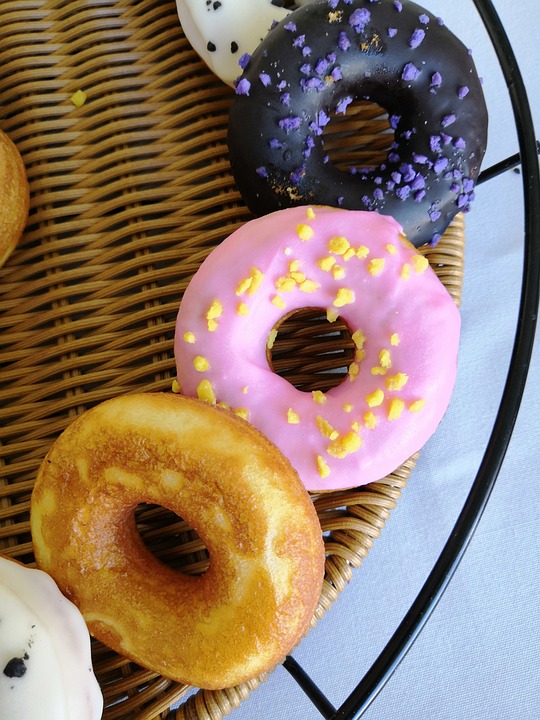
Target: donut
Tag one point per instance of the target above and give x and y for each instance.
(355, 265)
(231, 485)
(14, 197)
(325, 56)
(45, 662)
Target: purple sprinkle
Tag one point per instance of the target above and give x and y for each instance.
(378, 194)
(419, 182)
(312, 84)
(440, 21)
(290, 123)
(265, 79)
(419, 196)
(299, 41)
(435, 143)
(393, 157)
(391, 32)
(285, 99)
(454, 187)
(340, 200)
(457, 174)
(336, 74)
(436, 79)
(398, 5)
(435, 239)
(393, 121)
(410, 72)
(434, 214)
(440, 164)
(416, 38)
(462, 92)
(290, 26)
(377, 180)
(423, 18)
(321, 68)
(243, 87)
(396, 177)
(322, 118)
(331, 57)
(446, 138)
(408, 172)
(243, 60)
(261, 171)
(315, 129)
(333, 4)
(459, 143)
(448, 120)
(275, 144)
(343, 41)
(420, 159)
(462, 200)
(390, 185)
(403, 192)
(359, 19)
(325, 159)
(282, 85)
(306, 51)
(305, 69)
(407, 134)
(297, 175)
(468, 185)
(343, 104)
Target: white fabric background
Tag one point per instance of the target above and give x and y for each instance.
(478, 657)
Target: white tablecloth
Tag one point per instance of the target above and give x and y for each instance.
(478, 656)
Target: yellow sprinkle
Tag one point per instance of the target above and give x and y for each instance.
(376, 266)
(347, 407)
(358, 339)
(242, 412)
(359, 355)
(285, 283)
(394, 339)
(189, 337)
(345, 445)
(309, 286)
(215, 310)
(243, 285)
(271, 339)
(305, 232)
(362, 252)
(299, 277)
(396, 382)
(370, 420)
(325, 428)
(310, 213)
(391, 249)
(353, 371)
(278, 301)
(344, 296)
(375, 398)
(293, 418)
(348, 254)
(221, 404)
(245, 389)
(319, 397)
(385, 360)
(420, 263)
(332, 315)
(256, 280)
(406, 271)
(338, 272)
(356, 426)
(338, 245)
(205, 392)
(294, 266)
(322, 467)
(78, 98)
(417, 405)
(378, 370)
(395, 409)
(242, 309)
(201, 363)
(212, 325)
(326, 263)
(176, 386)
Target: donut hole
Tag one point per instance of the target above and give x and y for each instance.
(309, 351)
(359, 138)
(171, 540)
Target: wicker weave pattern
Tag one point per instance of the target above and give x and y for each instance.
(129, 194)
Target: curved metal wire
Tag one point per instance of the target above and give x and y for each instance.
(414, 621)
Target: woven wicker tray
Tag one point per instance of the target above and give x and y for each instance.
(129, 193)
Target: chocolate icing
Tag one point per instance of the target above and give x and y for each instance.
(324, 56)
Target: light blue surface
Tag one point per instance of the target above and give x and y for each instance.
(478, 656)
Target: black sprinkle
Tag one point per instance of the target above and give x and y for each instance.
(211, 47)
(234, 47)
(16, 667)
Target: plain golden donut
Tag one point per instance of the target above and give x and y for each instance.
(14, 197)
(224, 478)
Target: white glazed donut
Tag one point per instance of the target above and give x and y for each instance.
(222, 31)
(359, 266)
(45, 663)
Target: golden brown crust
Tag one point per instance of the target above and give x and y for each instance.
(230, 484)
(14, 197)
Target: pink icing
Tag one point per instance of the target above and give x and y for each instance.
(408, 316)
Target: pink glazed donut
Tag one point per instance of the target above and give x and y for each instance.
(357, 265)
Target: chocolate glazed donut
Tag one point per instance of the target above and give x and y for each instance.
(330, 53)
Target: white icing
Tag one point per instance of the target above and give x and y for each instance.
(232, 27)
(39, 625)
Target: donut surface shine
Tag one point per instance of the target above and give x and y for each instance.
(231, 485)
(318, 61)
(355, 265)
(45, 662)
